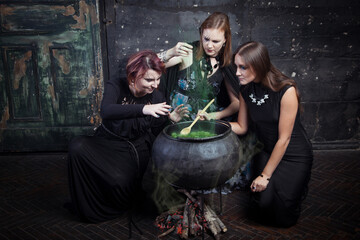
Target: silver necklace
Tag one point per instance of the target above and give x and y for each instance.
(258, 101)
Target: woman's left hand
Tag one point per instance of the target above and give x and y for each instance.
(259, 184)
(179, 113)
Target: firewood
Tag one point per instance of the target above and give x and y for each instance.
(167, 232)
(221, 224)
(185, 221)
(197, 223)
(217, 226)
(213, 222)
(194, 200)
(210, 220)
(192, 223)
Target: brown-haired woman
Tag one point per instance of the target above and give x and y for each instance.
(281, 171)
(194, 79)
(106, 170)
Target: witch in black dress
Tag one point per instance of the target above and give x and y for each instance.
(202, 70)
(106, 170)
(281, 171)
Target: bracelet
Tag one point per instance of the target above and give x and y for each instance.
(162, 56)
(263, 176)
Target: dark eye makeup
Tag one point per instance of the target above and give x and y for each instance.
(242, 67)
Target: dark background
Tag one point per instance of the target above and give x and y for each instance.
(315, 42)
(56, 56)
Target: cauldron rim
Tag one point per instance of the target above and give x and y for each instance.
(181, 139)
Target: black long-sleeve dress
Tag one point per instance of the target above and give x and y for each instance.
(193, 88)
(105, 170)
(279, 204)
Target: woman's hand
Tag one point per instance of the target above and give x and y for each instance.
(156, 109)
(207, 116)
(177, 54)
(182, 49)
(260, 183)
(179, 113)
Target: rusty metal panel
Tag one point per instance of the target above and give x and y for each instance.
(23, 83)
(70, 94)
(51, 79)
(36, 18)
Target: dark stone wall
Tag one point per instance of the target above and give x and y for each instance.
(314, 42)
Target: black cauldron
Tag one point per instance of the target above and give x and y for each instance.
(197, 163)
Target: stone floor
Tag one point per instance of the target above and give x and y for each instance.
(33, 189)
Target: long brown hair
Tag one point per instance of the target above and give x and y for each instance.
(256, 56)
(220, 21)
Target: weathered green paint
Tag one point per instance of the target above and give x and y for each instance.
(51, 73)
(37, 18)
(23, 85)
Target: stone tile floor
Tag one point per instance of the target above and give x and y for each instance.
(33, 189)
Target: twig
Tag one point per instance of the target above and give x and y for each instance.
(167, 232)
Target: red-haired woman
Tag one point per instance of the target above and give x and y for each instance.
(192, 80)
(281, 171)
(106, 170)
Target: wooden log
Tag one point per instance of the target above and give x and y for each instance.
(170, 230)
(197, 223)
(192, 223)
(211, 222)
(192, 198)
(221, 224)
(185, 221)
(214, 223)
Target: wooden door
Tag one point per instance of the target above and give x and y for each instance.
(50, 73)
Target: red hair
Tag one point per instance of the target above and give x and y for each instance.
(139, 63)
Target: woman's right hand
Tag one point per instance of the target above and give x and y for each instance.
(156, 109)
(182, 49)
(176, 55)
(206, 115)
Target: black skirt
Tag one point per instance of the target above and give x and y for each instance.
(280, 203)
(105, 174)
